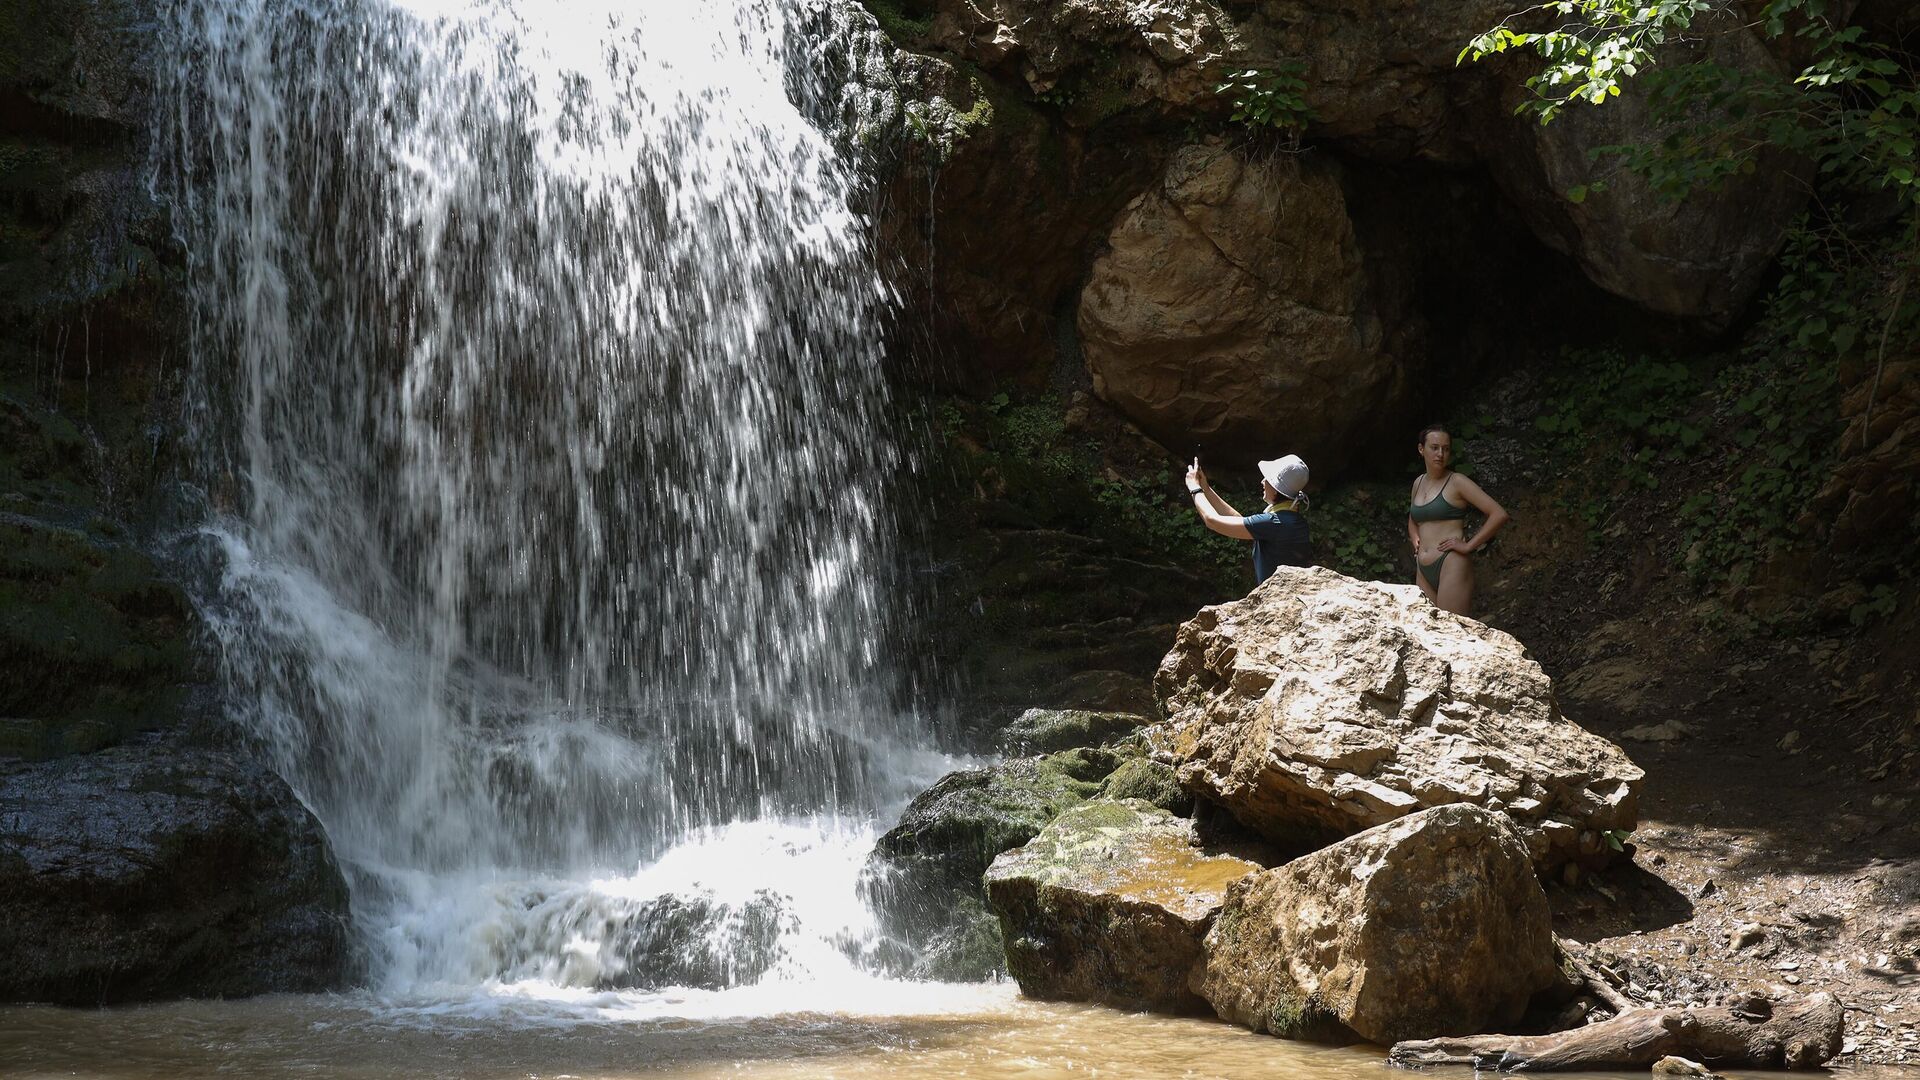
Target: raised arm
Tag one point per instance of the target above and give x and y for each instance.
(1497, 516)
(1210, 505)
(1220, 505)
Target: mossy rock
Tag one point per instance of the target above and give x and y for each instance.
(1043, 731)
(924, 876)
(1151, 782)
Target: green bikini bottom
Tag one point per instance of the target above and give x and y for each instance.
(1431, 571)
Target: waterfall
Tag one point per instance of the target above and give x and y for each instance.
(541, 424)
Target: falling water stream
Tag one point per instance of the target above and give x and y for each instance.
(542, 435)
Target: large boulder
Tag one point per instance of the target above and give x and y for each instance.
(1324, 705)
(1233, 303)
(1109, 904)
(1700, 257)
(147, 871)
(924, 877)
(1431, 925)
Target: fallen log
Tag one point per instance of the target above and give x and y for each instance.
(1754, 1033)
(1596, 983)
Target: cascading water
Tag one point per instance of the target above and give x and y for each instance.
(539, 390)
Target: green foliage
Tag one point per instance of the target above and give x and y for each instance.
(1060, 479)
(1827, 302)
(1594, 46)
(1879, 604)
(898, 25)
(1782, 421)
(1853, 110)
(1638, 410)
(1273, 97)
(943, 125)
(1353, 529)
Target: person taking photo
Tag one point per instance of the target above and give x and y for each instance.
(1280, 534)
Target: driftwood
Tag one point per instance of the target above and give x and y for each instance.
(1596, 983)
(1755, 1033)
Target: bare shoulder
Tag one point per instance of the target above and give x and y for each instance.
(1464, 484)
(1475, 495)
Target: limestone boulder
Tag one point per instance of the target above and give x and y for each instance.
(1109, 904)
(1233, 303)
(1324, 705)
(1433, 924)
(146, 872)
(1703, 257)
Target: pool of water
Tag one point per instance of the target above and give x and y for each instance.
(508, 1034)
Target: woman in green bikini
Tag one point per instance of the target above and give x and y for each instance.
(1437, 525)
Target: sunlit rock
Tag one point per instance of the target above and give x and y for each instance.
(1321, 705)
(1043, 731)
(1109, 904)
(924, 877)
(1432, 925)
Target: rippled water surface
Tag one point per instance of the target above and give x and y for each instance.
(911, 1031)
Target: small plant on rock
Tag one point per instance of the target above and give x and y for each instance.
(1274, 98)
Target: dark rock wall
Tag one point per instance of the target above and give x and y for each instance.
(98, 639)
(139, 859)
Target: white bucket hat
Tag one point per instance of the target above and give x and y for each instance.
(1288, 475)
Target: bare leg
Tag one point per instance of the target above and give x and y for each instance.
(1456, 584)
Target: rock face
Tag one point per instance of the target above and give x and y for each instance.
(990, 209)
(148, 872)
(1434, 924)
(1321, 704)
(1109, 904)
(1380, 75)
(1703, 257)
(1233, 304)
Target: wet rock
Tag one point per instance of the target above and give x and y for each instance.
(990, 206)
(1679, 1066)
(148, 871)
(1044, 731)
(698, 941)
(1431, 924)
(1233, 296)
(927, 867)
(1321, 704)
(94, 640)
(1109, 904)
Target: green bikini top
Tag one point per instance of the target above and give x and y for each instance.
(1438, 508)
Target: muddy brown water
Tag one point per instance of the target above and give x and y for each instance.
(358, 1038)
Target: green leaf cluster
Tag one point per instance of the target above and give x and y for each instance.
(1852, 111)
(1273, 98)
